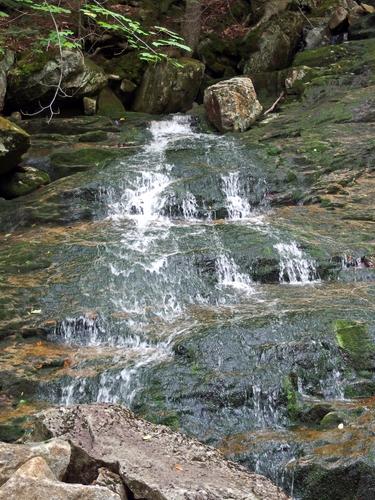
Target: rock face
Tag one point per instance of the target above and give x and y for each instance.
(153, 461)
(232, 105)
(35, 77)
(167, 88)
(14, 142)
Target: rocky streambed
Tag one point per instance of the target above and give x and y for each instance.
(221, 285)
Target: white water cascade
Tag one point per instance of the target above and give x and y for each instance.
(151, 279)
(295, 266)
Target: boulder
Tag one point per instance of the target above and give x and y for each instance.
(271, 46)
(232, 105)
(168, 87)
(23, 181)
(56, 454)
(14, 142)
(89, 106)
(6, 61)
(110, 105)
(35, 480)
(34, 77)
(153, 461)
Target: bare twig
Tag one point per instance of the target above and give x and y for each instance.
(274, 105)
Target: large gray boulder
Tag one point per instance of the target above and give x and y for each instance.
(6, 61)
(167, 88)
(14, 142)
(232, 105)
(35, 77)
(153, 461)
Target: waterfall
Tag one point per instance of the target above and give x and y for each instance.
(295, 266)
(230, 276)
(150, 273)
(237, 205)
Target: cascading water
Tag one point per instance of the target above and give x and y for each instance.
(178, 256)
(295, 267)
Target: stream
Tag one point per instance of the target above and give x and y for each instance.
(190, 299)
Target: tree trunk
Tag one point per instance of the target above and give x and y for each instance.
(192, 23)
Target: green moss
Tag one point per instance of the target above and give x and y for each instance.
(289, 389)
(353, 337)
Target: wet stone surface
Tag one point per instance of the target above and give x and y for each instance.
(178, 277)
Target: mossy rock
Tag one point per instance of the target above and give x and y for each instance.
(23, 182)
(331, 420)
(169, 88)
(94, 136)
(110, 105)
(354, 339)
(127, 66)
(14, 142)
(67, 162)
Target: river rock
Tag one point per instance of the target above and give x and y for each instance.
(56, 454)
(35, 77)
(6, 61)
(153, 461)
(168, 88)
(232, 105)
(35, 480)
(23, 181)
(14, 142)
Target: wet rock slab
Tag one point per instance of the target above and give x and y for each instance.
(153, 461)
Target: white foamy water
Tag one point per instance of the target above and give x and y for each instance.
(237, 205)
(295, 267)
(229, 275)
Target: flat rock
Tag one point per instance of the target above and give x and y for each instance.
(153, 461)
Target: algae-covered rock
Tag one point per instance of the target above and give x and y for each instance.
(169, 87)
(23, 182)
(67, 162)
(110, 105)
(232, 104)
(14, 142)
(35, 76)
(354, 339)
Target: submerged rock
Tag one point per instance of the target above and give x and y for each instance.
(153, 461)
(14, 142)
(168, 88)
(232, 105)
